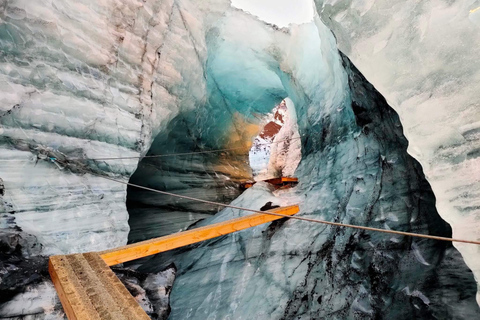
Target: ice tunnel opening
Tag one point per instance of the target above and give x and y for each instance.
(276, 151)
(236, 90)
(213, 176)
(259, 154)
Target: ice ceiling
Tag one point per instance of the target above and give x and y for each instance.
(112, 79)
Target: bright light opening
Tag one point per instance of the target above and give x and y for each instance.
(260, 152)
(278, 12)
(276, 151)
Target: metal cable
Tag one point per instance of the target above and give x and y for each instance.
(177, 154)
(337, 224)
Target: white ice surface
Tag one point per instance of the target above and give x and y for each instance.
(88, 79)
(286, 150)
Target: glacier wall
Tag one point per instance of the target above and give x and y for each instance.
(87, 93)
(286, 149)
(354, 169)
(81, 79)
(420, 56)
(109, 78)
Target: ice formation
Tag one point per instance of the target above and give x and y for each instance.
(420, 56)
(259, 154)
(276, 151)
(108, 78)
(286, 149)
(278, 12)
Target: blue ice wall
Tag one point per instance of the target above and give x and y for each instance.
(242, 84)
(355, 169)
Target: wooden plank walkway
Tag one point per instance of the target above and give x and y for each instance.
(180, 239)
(277, 182)
(282, 181)
(88, 288)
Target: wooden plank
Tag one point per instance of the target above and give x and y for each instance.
(279, 181)
(180, 239)
(74, 299)
(125, 301)
(98, 295)
(275, 181)
(89, 290)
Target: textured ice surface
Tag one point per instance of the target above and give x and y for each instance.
(40, 302)
(107, 78)
(355, 169)
(151, 291)
(75, 93)
(84, 79)
(286, 150)
(276, 151)
(421, 55)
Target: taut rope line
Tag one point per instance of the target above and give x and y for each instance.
(337, 224)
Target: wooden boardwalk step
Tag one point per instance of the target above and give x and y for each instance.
(149, 247)
(282, 182)
(89, 290)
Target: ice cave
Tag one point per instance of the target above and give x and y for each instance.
(125, 122)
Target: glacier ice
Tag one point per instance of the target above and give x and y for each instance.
(127, 78)
(278, 12)
(355, 169)
(286, 149)
(421, 57)
(77, 80)
(276, 151)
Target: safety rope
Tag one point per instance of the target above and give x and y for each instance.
(337, 224)
(179, 154)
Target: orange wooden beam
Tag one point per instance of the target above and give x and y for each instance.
(281, 180)
(89, 290)
(275, 181)
(180, 239)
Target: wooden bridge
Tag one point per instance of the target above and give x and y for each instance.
(88, 288)
(282, 182)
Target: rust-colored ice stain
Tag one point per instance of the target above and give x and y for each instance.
(272, 128)
(234, 163)
(241, 138)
